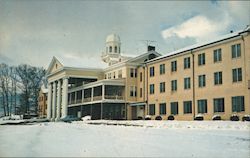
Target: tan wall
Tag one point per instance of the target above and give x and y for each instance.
(42, 104)
(211, 91)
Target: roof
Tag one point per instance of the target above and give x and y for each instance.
(91, 63)
(113, 38)
(202, 44)
(44, 89)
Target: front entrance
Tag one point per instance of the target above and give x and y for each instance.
(138, 112)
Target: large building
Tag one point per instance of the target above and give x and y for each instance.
(206, 80)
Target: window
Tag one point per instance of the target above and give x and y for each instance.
(135, 91)
(202, 80)
(187, 63)
(174, 85)
(187, 83)
(217, 55)
(201, 59)
(218, 78)
(131, 91)
(187, 106)
(115, 49)
(152, 89)
(109, 75)
(237, 75)
(174, 66)
(238, 104)
(114, 75)
(151, 109)
(135, 73)
(140, 76)
(120, 74)
(152, 71)
(174, 108)
(162, 108)
(162, 69)
(219, 105)
(236, 51)
(162, 87)
(110, 49)
(202, 106)
(131, 72)
(105, 77)
(140, 92)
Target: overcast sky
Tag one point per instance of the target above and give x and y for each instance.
(33, 32)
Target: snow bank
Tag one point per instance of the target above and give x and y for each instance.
(203, 125)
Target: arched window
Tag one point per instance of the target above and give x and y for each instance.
(110, 49)
(115, 49)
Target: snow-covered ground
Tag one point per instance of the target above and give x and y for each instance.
(146, 139)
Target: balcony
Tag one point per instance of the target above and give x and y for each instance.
(104, 90)
(114, 97)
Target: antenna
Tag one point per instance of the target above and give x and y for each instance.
(147, 42)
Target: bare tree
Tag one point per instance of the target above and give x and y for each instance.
(4, 85)
(31, 80)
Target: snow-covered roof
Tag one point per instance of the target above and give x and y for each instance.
(44, 89)
(92, 63)
(202, 44)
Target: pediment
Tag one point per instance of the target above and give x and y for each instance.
(54, 66)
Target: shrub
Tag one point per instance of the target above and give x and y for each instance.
(158, 118)
(246, 118)
(199, 118)
(139, 118)
(170, 117)
(234, 118)
(216, 117)
(148, 117)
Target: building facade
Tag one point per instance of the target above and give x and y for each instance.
(42, 102)
(208, 79)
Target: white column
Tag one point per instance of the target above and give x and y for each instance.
(103, 92)
(65, 97)
(49, 101)
(92, 94)
(54, 102)
(58, 110)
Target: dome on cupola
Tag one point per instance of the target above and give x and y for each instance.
(113, 38)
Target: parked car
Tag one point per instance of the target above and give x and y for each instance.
(70, 118)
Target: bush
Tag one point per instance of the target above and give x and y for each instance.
(139, 118)
(216, 117)
(158, 118)
(199, 118)
(246, 118)
(170, 117)
(148, 117)
(234, 118)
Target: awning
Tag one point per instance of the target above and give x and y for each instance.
(137, 104)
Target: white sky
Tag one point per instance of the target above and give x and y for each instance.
(33, 32)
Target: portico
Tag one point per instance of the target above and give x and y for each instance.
(60, 80)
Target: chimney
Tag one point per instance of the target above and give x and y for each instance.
(151, 48)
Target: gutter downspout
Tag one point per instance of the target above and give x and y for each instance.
(193, 84)
(244, 54)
